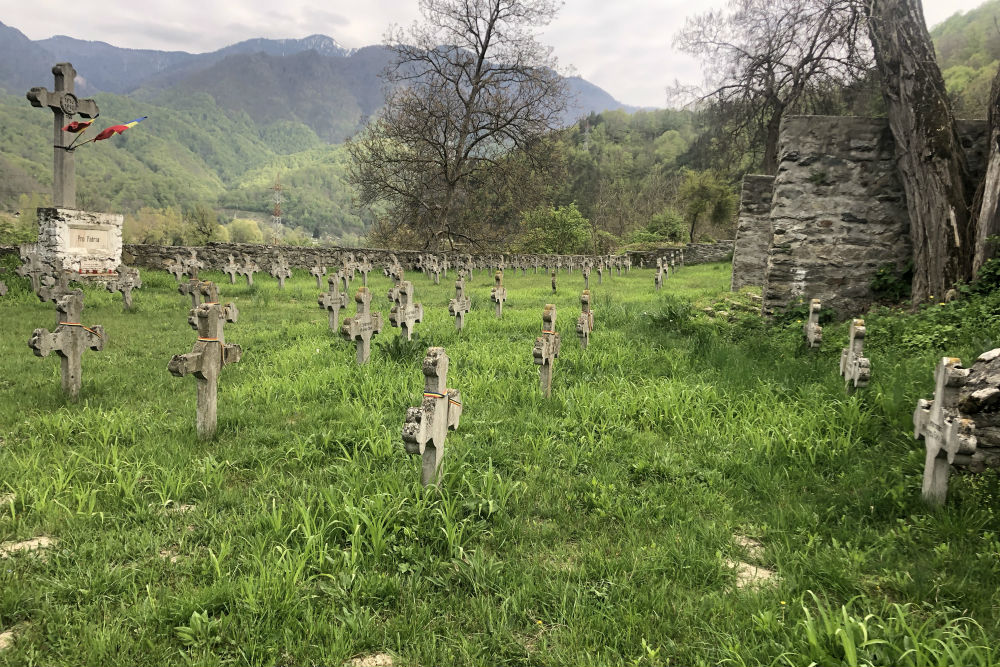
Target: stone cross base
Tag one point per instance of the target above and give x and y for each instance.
(83, 242)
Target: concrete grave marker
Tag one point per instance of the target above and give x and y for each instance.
(318, 271)
(333, 301)
(461, 304)
(586, 276)
(553, 281)
(426, 427)
(191, 288)
(813, 331)
(192, 264)
(34, 268)
(854, 366)
(232, 269)
(3, 288)
(53, 285)
(280, 270)
(406, 313)
(177, 269)
(128, 279)
(364, 267)
(547, 348)
(585, 323)
(499, 293)
(658, 279)
(397, 276)
(69, 340)
(248, 269)
(208, 357)
(945, 432)
(363, 325)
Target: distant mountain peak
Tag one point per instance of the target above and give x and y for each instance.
(321, 44)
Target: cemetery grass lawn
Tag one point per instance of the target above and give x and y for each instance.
(604, 526)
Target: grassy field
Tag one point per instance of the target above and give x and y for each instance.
(608, 525)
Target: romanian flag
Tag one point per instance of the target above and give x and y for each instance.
(117, 129)
(78, 125)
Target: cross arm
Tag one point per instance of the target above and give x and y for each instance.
(42, 342)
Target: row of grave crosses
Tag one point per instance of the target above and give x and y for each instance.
(855, 367)
(50, 281)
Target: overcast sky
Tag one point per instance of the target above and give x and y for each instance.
(624, 46)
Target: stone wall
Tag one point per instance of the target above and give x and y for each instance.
(81, 241)
(694, 253)
(838, 210)
(753, 231)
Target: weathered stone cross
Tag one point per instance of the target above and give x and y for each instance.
(280, 270)
(232, 269)
(363, 325)
(499, 293)
(318, 271)
(585, 323)
(945, 433)
(461, 304)
(208, 357)
(426, 427)
(177, 268)
(128, 279)
(192, 288)
(659, 273)
(586, 276)
(553, 281)
(69, 340)
(33, 268)
(334, 302)
(248, 269)
(854, 366)
(406, 313)
(192, 264)
(64, 105)
(812, 329)
(364, 267)
(53, 285)
(547, 348)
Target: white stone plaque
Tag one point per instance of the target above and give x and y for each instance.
(91, 266)
(82, 238)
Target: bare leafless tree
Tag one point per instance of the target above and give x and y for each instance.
(765, 58)
(472, 98)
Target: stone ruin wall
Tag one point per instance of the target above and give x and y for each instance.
(753, 231)
(837, 214)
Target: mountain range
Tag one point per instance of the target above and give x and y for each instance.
(314, 81)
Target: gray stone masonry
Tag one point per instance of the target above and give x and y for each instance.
(69, 339)
(547, 349)
(855, 368)
(426, 427)
(753, 232)
(209, 356)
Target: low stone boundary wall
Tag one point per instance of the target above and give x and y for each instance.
(694, 253)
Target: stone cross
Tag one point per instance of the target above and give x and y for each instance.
(406, 313)
(397, 276)
(350, 267)
(553, 281)
(33, 269)
(333, 301)
(600, 272)
(192, 265)
(426, 427)
(363, 325)
(3, 288)
(813, 331)
(658, 279)
(69, 339)
(364, 267)
(53, 285)
(461, 304)
(499, 293)
(585, 323)
(177, 268)
(64, 105)
(318, 271)
(128, 279)
(192, 288)
(434, 266)
(248, 269)
(586, 276)
(280, 270)
(232, 269)
(854, 366)
(547, 348)
(945, 432)
(207, 358)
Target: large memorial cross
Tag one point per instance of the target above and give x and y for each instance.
(64, 105)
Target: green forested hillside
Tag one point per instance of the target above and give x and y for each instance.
(968, 50)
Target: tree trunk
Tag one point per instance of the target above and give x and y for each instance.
(930, 158)
(770, 163)
(988, 222)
